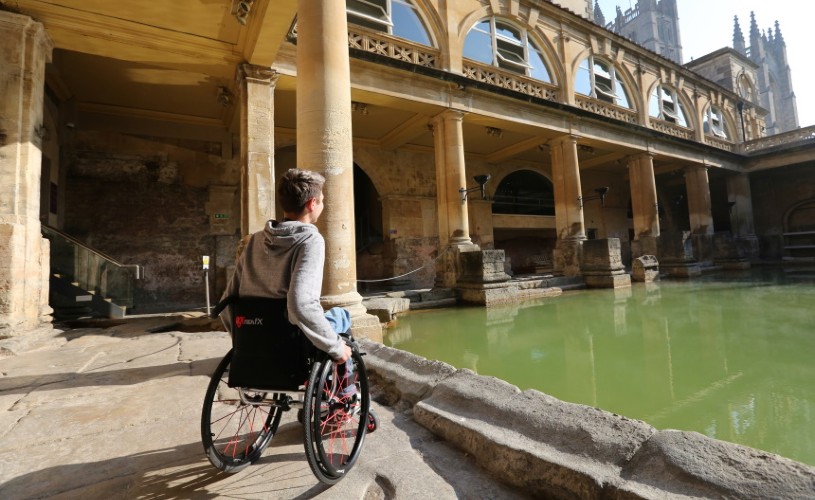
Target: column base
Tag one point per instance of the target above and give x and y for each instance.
(567, 257)
(621, 280)
(364, 325)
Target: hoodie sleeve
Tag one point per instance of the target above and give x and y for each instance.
(304, 297)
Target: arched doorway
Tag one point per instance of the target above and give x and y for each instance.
(523, 221)
(368, 227)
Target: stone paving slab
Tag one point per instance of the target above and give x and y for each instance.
(115, 413)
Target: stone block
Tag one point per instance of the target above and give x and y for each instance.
(621, 280)
(645, 269)
(483, 266)
(602, 255)
(676, 246)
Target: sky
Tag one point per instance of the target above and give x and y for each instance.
(707, 25)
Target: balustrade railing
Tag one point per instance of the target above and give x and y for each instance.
(671, 129)
(605, 109)
(801, 135)
(402, 50)
(719, 143)
(506, 79)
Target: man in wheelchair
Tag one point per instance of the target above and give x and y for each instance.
(285, 261)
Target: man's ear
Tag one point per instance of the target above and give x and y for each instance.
(310, 204)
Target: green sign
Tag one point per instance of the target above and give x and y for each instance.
(221, 216)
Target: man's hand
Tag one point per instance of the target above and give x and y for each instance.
(346, 353)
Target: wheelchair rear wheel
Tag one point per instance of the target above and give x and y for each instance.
(337, 404)
(236, 425)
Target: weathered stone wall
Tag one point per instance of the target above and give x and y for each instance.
(555, 449)
(775, 192)
(148, 202)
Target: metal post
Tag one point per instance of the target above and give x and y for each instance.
(206, 280)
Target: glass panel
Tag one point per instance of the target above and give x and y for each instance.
(653, 104)
(376, 9)
(478, 46)
(582, 81)
(682, 116)
(407, 24)
(507, 32)
(510, 52)
(622, 98)
(538, 68)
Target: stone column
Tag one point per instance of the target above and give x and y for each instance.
(571, 231)
(24, 253)
(741, 215)
(257, 146)
(324, 144)
(644, 205)
(451, 175)
(699, 212)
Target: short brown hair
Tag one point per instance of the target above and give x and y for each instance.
(296, 187)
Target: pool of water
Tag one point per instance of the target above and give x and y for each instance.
(730, 355)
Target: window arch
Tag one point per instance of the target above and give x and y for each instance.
(396, 17)
(666, 105)
(500, 43)
(745, 88)
(599, 79)
(524, 192)
(715, 123)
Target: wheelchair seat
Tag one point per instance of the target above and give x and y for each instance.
(268, 352)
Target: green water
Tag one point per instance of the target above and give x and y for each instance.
(731, 355)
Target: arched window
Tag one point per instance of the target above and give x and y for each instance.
(665, 105)
(745, 88)
(499, 43)
(714, 123)
(524, 192)
(396, 17)
(600, 80)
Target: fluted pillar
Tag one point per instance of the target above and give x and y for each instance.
(24, 253)
(569, 223)
(324, 144)
(644, 205)
(257, 146)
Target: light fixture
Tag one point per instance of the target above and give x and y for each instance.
(494, 132)
(359, 107)
(601, 195)
(241, 10)
(225, 96)
(482, 181)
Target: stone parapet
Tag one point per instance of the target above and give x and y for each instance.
(645, 269)
(555, 449)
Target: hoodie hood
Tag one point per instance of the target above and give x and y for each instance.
(281, 236)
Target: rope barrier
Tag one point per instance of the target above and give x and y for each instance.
(409, 272)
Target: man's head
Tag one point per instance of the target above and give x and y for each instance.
(300, 193)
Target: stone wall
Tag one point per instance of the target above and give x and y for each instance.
(148, 202)
(774, 193)
(554, 449)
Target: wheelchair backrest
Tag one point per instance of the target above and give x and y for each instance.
(268, 352)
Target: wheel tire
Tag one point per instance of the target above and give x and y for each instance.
(335, 423)
(234, 433)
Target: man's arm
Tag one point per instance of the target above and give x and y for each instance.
(304, 299)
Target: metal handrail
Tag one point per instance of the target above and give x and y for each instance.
(91, 269)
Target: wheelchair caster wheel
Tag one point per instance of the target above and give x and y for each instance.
(373, 422)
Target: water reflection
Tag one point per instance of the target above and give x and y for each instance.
(729, 356)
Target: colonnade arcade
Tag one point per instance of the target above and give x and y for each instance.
(421, 119)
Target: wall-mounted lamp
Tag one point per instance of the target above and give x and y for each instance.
(241, 10)
(482, 181)
(601, 195)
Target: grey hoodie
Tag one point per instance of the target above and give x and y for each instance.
(286, 260)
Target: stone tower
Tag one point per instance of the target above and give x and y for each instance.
(654, 24)
(769, 51)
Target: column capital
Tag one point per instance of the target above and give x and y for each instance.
(449, 114)
(645, 155)
(557, 141)
(257, 74)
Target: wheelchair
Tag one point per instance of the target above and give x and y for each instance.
(273, 368)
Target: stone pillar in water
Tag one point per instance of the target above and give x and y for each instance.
(676, 255)
(644, 205)
(741, 215)
(570, 227)
(699, 213)
(603, 264)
